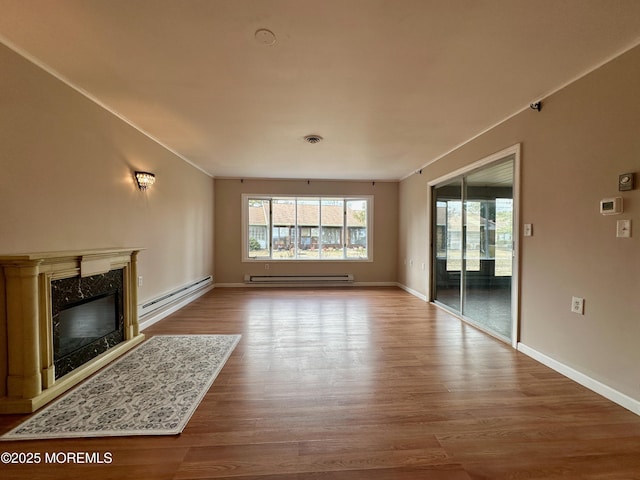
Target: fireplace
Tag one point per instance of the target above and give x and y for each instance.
(63, 316)
(88, 318)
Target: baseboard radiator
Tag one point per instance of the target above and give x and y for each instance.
(173, 296)
(342, 278)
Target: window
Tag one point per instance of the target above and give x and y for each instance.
(306, 228)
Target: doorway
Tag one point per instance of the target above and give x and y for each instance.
(473, 245)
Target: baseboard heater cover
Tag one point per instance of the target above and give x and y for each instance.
(173, 296)
(340, 278)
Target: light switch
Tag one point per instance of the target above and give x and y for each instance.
(623, 228)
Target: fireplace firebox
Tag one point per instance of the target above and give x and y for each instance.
(88, 318)
(81, 324)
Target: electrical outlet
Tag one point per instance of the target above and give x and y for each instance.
(266, 266)
(140, 281)
(577, 305)
(528, 230)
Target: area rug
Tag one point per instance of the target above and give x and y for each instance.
(152, 390)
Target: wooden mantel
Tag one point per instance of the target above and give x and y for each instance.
(27, 373)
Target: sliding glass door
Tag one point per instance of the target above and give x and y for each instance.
(473, 238)
(448, 244)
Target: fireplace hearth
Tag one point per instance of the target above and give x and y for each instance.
(63, 316)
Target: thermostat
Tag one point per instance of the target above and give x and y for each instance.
(625, 182)
(611, 206)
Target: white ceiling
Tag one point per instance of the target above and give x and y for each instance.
(391, 85)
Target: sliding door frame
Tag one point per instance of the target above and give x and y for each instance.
(515, 280)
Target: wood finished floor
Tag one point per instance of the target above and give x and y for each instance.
(362, 384)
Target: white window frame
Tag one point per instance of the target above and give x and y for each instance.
(245, 228)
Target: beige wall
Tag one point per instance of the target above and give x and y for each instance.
(572, 153)
(66, 182)
(228, 238)
(413, 244)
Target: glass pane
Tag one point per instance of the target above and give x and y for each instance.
(454, 235)
(357, 235)
(504, 237)
(448, 244)
(258, 244)
(284, 228)
(332, 226)
(487, 294)
(472, 250)
(308, 215)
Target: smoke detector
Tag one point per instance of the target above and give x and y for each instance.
(265, 37)
(313, 139)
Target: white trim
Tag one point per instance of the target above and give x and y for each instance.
(515, 265)
(515, 276)
(247, 179)
(494, 157)
(8, 43)
(551, 92)
(413, 292)
(460, 145)
(375, 284)
(429, 253)
(178, 298)
(369, 199)
(95, 100)
(605, 390)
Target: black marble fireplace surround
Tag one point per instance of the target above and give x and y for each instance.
(97, 296)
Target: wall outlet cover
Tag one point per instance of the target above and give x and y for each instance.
(577, 305)
(623, 228)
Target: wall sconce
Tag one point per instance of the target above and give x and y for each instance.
(145, 180)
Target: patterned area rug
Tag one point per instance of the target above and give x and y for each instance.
(152, 390)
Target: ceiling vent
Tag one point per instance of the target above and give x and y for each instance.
(313, 139)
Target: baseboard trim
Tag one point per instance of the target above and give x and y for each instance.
(374, 284)
(600, 388)
(155, 316)
(415, 293)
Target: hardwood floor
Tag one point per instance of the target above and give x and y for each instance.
(374, 384)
